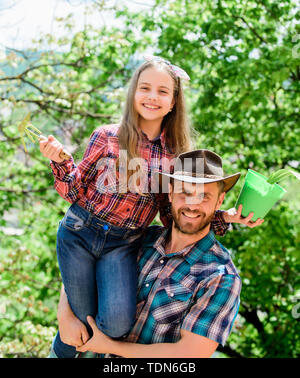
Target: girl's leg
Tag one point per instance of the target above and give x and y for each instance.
(77, 267)
(116, 275)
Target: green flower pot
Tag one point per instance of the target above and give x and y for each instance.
(258, 196)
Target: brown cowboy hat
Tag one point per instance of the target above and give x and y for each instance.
(201, 167)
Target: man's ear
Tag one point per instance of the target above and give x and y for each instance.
(220, 200)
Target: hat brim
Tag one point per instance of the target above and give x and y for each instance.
(229, 181)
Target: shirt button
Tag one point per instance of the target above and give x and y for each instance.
(172, 294)
(147, 285)
(161, 261)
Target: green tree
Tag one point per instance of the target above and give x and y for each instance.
(243, 98)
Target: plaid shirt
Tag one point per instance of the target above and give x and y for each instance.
(129, 210)
(196, 289)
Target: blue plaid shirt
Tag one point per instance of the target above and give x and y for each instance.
(196, 289)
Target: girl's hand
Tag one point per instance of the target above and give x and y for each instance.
(51, 148)
(233, 216)
(99, 343)
(72, 331)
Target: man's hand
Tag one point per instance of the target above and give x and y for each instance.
(99, 343)
(72, 331)
(233, 216)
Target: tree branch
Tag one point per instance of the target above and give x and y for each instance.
(251, 28)
(24, 191)
(43, 104)
(252, 318)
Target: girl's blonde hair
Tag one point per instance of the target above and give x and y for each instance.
(177, 131)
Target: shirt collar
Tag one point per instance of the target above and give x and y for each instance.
(161, 137)
(190, 253)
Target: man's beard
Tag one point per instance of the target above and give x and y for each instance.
(193, 227)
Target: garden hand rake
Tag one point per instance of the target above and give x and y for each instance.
(34, 134)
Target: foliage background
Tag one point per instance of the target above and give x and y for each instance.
(243, 58)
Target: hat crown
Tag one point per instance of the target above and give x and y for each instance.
(200, 167)
(203, 163)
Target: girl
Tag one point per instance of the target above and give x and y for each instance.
(99, 236)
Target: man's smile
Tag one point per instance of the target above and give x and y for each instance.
(188, 215)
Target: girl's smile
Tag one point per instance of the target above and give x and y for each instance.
(151, 107)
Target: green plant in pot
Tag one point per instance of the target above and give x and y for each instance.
(259, 193)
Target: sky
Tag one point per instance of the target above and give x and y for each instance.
(23, 20)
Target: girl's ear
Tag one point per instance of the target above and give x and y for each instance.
(170, 194)
(172, 105)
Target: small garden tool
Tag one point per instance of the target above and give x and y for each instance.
(34, 134)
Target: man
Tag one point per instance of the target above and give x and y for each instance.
(189, 289)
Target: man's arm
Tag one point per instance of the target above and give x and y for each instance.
(190, 345)
(72, 331)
